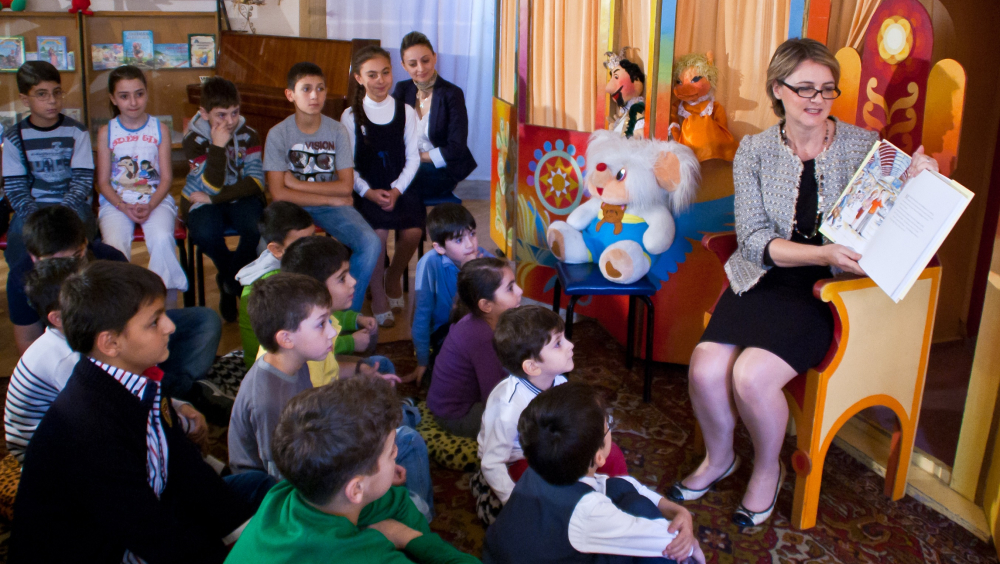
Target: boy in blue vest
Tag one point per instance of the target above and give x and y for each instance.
(566, 436)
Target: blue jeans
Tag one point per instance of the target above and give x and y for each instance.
(412, 455)
(250, 486)
(385, 366)
(346, 225)
(192, 348)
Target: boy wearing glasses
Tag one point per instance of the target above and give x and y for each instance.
(310, 162)
(586, 516)
(47, 159)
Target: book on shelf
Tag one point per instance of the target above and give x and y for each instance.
(894, 222)
(53, 50)
(138, 47)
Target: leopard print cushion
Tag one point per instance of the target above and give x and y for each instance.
(488, 505)
(10, 476)
(448, 450)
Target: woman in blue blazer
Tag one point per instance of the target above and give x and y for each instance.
(443, 129)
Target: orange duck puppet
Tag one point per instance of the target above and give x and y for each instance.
(696, 119)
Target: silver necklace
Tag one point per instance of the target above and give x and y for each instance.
(819, 183)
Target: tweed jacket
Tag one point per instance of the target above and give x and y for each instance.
(766, 176)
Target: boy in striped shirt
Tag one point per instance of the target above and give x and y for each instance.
(47, 157)
(48, 363)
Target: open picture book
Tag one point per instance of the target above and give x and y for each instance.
(896, 223)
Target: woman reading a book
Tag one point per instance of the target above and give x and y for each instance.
(768, 327)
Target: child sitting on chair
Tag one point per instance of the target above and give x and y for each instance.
(566, 436)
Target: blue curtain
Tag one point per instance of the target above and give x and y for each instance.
(462, 32)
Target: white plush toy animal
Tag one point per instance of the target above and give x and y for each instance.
(636, 186)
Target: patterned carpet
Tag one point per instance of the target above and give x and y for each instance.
(856, 523)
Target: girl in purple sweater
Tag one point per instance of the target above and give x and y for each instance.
(467, 368)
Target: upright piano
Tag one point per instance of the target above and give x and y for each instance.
(258, 65)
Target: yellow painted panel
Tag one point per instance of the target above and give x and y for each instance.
(943, 113)
(884, 350)
(979, 406)
(845, 108)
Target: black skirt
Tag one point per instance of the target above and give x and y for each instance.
(780, 315)
(409, 212)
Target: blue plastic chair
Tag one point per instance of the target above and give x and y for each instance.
(578, 280)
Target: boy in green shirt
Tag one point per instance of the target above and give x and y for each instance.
(335, 446)
(281, 224)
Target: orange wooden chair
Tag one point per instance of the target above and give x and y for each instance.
(878, 357)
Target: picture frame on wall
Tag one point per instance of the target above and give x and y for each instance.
(52, 49)
(172, 56)
(138, 47)
(11, 53)
(106, 56)
(201, 48)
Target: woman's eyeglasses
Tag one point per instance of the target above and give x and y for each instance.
(809, 92)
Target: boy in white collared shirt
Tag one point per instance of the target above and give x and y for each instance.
(531, 345)
(565, 433)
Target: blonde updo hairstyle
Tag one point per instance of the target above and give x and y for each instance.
(788, 56)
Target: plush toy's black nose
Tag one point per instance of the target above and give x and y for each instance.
(601, 167)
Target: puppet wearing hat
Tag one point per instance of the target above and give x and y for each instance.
(626, 84)
(696, 119)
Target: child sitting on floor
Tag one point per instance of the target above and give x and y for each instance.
(56, 231)
(290, 314)
(452, 231)
(95, 482)
(566, 436)
(530, 343)
(335, 446)
(467, 369)
(328, 261)
(325, 262)
(281, 224)
(48, 363)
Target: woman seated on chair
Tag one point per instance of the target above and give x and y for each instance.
(445, 159)
(768, 327)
